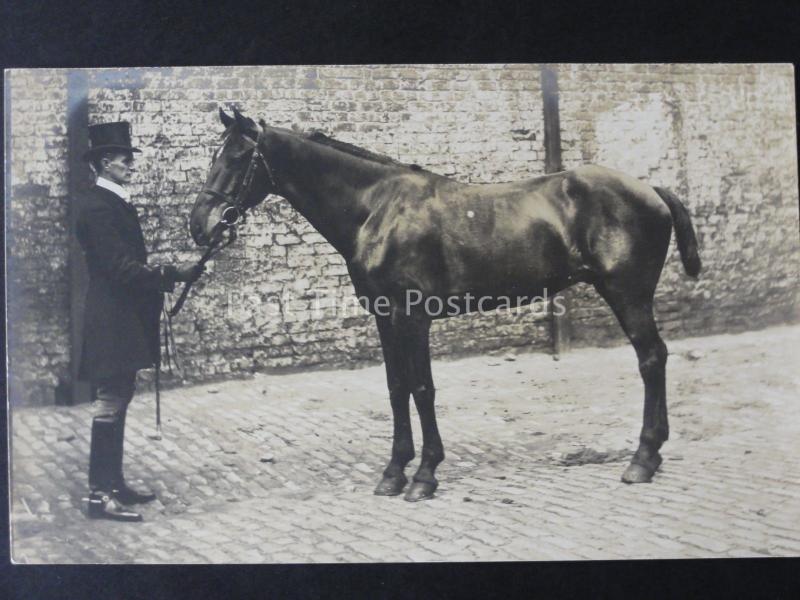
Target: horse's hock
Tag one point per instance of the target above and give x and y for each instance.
(718, 135)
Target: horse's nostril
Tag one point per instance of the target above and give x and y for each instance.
(196, 231)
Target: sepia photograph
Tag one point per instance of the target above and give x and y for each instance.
(402, 313)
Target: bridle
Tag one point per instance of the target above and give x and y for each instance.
(237, 205)
(232, 214)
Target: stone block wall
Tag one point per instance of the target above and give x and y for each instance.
(721, 136)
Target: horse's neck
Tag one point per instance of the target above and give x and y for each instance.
(325, 185)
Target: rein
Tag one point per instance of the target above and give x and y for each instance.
(216, 246)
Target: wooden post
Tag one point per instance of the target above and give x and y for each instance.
(79, 179)
(559, 323)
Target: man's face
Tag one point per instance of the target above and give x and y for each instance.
(118, 168)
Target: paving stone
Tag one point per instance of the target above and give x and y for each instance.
(422, 555)
(706, 543)
(314, 502)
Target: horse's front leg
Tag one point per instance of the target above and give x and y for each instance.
(394, 479)
(415, 334)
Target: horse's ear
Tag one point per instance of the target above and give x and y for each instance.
(240, 119)
(225, 118)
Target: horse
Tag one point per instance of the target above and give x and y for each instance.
(413, 239)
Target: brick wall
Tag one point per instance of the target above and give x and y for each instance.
(235, 320)
(721, 136)
(36, 234)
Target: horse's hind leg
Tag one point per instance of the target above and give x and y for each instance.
(635, 314)
(394, 479)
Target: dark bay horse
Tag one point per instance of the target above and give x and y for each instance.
(416, 239)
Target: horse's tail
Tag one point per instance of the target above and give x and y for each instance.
(684, 232)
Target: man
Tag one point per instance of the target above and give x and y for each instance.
(123, 308)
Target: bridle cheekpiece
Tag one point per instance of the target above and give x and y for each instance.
(237, 204)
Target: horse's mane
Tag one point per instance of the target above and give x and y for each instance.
(320, 138)
(315, 135)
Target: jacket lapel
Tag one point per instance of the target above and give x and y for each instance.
(128, 209)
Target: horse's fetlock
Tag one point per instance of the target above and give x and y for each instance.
(433, 455)
(402, 454)
(394, 471)
(652, 439)
(425, 476)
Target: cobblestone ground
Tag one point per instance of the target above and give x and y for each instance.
(281, 469)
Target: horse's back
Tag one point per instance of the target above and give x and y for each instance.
(443, 235)
(595, 181)
(439, 234)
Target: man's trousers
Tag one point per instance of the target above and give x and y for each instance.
(112, 396)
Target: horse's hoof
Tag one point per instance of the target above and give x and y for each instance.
(391, 486)
(640, 471)
(636, 473)
(420, 490)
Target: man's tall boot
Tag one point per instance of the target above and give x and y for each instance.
(125, 494)
(102, 465)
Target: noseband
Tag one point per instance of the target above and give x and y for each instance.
(237, 206)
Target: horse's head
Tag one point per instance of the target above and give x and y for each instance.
(239, 178)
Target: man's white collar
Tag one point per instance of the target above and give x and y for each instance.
(113, 187)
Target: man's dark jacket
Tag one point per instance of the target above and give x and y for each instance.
(125, 295)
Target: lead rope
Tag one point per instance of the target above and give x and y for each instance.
(174, 352)
(213, 249)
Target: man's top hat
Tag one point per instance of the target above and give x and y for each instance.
(109, 136)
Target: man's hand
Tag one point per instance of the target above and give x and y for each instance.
(189, 271)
